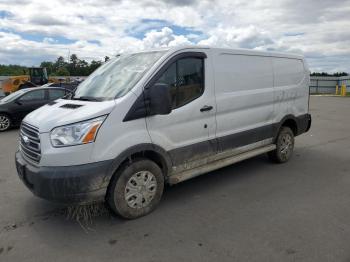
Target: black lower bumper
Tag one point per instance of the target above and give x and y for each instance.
(69, 184)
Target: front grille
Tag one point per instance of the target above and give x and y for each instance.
(30, 142)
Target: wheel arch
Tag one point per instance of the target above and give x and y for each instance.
(289, 121)
(7, 114)
(149, 151)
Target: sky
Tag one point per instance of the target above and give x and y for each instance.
(34, 30)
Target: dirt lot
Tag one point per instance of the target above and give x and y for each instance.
(251, 211)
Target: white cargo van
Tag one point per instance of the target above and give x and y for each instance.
(147, 119)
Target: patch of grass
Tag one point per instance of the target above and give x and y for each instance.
(84, 214)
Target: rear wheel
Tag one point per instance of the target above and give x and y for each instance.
(5, 122)
(136, 189)
(284, 146)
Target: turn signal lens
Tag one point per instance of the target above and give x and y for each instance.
(90, 136)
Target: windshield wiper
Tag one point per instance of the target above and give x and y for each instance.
(88, 98)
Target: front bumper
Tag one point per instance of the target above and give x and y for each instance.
(66, 184)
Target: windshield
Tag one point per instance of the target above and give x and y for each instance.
(12, 96)
(117, 77)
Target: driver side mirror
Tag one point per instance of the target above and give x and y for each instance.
(18, 102)
(159, 99)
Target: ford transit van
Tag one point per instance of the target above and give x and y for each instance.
(146, 119)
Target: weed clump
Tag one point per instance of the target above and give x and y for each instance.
(84, 214)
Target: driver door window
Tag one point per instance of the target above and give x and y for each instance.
(186, 80)
(56, 93)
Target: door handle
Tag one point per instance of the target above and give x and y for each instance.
(206, 108)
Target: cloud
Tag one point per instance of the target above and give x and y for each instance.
(91, 29)
(46, 20)
(163, 38)
(246, 37)
(144, 26)
(312, 11)
(181, 2)
(49, 40)
(15, 2)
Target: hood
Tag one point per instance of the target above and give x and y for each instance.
(63, 112)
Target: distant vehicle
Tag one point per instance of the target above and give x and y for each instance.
(2, 94)
(161, 117)
(37, 77)
(14, 107)
(70, 85)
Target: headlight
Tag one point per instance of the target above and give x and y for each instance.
(76, 134)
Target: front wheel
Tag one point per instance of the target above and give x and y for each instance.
(5, 122)
(284, 146)
(136, 189)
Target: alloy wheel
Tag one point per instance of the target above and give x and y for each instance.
(4, 123)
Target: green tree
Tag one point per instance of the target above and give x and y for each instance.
(82, 68)
(12, 70)
(59, 62)
(328, 74)
(75, 66)
(74, 59)
(49, 67)
(62, 71)
(94, 65)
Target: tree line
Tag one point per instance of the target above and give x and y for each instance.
(74, 67)
(327, 74)
(79, 67)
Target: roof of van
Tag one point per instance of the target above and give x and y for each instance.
(231, 51)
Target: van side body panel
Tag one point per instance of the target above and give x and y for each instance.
(245, 98)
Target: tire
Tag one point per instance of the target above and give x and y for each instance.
(284, 146)
(5, 122)
(136, 189)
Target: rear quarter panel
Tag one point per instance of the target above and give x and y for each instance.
(291, 83)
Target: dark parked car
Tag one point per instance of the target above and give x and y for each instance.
(14, 107)
(70, 86)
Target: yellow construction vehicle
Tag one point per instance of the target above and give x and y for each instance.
(37, 77)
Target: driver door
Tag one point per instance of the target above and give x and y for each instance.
(188, 132)
(29, 102)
